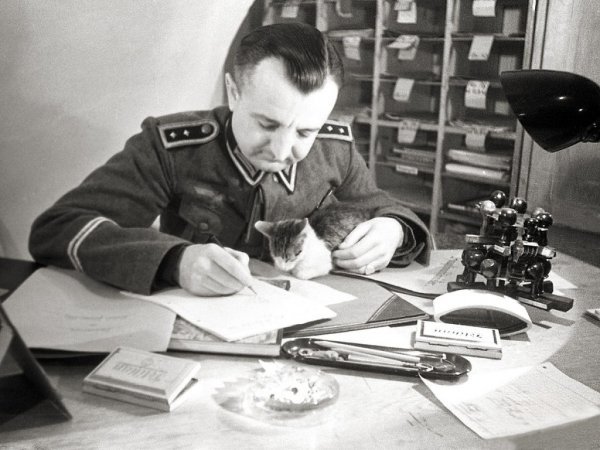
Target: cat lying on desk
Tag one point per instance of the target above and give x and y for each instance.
(303, 247)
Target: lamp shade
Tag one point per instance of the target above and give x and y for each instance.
(557, 109)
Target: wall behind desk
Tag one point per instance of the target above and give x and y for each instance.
(77, 77)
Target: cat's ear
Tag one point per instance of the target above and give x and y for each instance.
(304, 223)
(265, 228)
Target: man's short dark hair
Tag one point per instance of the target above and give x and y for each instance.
(309, 57)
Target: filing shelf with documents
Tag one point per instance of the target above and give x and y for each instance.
(454, 153)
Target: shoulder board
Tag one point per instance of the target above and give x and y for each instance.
(188, 133)
(333, 129)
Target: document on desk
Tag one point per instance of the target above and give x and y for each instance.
(66, 310)
(515, 401)
(243, 314)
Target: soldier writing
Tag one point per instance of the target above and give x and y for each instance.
(270, 154)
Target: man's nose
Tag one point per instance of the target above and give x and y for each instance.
(282, 144)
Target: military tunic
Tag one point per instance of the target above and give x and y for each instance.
(186, 169)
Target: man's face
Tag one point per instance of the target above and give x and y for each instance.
(273, 122)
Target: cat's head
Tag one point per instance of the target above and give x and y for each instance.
(287, 239)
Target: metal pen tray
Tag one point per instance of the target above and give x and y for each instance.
(322, 352)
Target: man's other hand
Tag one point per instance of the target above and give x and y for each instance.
(370, 246)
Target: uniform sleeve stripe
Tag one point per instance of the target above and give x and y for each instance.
(73, 247)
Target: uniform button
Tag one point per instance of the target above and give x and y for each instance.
(275, 179)
(206, 129)
(203, 226)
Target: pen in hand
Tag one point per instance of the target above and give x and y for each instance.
(212, 239)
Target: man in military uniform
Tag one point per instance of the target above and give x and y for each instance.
(210, 175)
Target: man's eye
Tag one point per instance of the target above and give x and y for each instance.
(304, 134)
(268, 126)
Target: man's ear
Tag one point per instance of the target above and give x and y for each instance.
(233, 93)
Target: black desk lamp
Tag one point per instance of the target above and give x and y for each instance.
(511, 252)
(557, 109)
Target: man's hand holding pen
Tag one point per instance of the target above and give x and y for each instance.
(212, 270)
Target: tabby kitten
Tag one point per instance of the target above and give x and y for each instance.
(303, 247)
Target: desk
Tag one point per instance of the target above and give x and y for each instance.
(372, 411)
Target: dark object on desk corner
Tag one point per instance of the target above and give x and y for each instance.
(13, 272)
(511, 252)
(323, 353)
(23, 382)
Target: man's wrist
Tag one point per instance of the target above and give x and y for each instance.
(167, 274)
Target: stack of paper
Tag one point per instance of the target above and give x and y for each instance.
(65, 310)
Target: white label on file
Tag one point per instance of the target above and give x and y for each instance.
(402, 89)
(407, 131)
(484, 8)
(476, 93)
(407, 45)
(407, 11)
(289, 10)
(475, 138)
(411, 170)
(352, 47)
(481, 47)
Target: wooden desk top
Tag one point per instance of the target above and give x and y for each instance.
(374, 411)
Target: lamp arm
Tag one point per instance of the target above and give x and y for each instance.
(592, 134)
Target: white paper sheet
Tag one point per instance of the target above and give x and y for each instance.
(317, 292)
(515, 401)
(66, 310)
(243, 314)
(320, 293)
